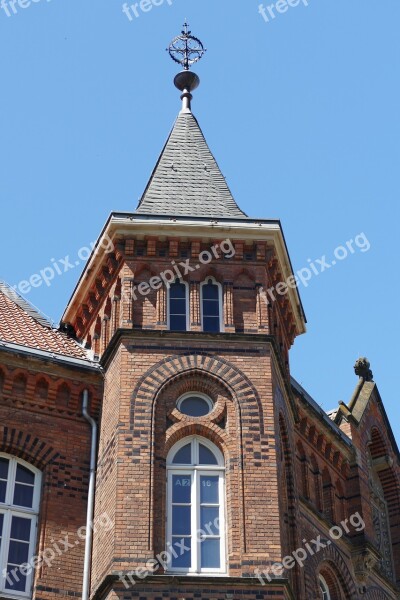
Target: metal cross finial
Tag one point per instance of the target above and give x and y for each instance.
(186, 49)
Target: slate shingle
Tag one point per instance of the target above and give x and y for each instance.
(187, 180)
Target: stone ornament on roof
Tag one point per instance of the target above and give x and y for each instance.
(362, 369)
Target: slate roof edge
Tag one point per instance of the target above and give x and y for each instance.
(49, 355)
(25, 305)
(320, 411)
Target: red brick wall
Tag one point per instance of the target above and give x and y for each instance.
(46, 429)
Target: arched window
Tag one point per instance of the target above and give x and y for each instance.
(19, 507)
(211, 306)
(323, 586)
(178, 302)
(196, 507)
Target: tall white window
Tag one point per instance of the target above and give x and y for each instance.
(323, 586)
(19, 507)
(211, 306)
(196, 507)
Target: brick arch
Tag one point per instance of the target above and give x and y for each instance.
(153, 381)
(390, 484)
(210, 432)
(330, 560)
(376, 594)
(240, 389)
(287, 497)
(30, 448)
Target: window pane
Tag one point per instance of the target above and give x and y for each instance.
(3, 468)
(3, 489)
(21, 529)
(210, 291)
(210, 554)
(182, 547)
(177, 290)
(181, 489)
(23, 495)
(206, 456)
(177, 307)
(194, 407)
(18, 553)
(181, 520)
(25, 475)
(211, 324)
(183, 456)
(177, 323)
(209, 493)
(209, 520)
(15, 580)
(1, 527)
(211, 308)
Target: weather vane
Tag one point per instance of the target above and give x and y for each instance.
(186, 49)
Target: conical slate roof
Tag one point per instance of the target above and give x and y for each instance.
(187, 180)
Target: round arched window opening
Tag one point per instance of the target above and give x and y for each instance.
(194, 404)
(323, 586)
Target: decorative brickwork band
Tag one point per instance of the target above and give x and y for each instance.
(228, 308)
(162, 307)
(26, 446)
(195, 320)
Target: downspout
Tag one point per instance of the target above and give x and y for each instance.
(90, 504)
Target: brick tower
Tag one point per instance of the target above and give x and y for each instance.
(213, 464)
(196, 374)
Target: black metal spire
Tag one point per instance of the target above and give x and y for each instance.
(186, 50)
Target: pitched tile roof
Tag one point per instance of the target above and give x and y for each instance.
(187, 180)
(21, 324)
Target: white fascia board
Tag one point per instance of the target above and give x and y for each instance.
(121, 225)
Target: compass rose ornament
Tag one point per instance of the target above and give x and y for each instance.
(186, 50)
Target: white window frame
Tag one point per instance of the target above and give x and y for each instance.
(221, 302)
(187, 299)
(195, 471)
(326, 595)
(10, 510)
(198, 395)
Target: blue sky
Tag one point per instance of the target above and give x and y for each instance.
(302, 113)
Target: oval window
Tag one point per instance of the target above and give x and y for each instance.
(195, 405)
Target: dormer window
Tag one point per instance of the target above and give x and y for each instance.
(178, 306)
(211, 306)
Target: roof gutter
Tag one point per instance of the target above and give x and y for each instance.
(49, 356)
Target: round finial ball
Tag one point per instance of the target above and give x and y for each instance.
(186, 80)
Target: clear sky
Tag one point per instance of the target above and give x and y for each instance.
(301, 112)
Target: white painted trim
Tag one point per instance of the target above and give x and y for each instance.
(325, 586)
(187, 298)
(221, 302)
(9, 510)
